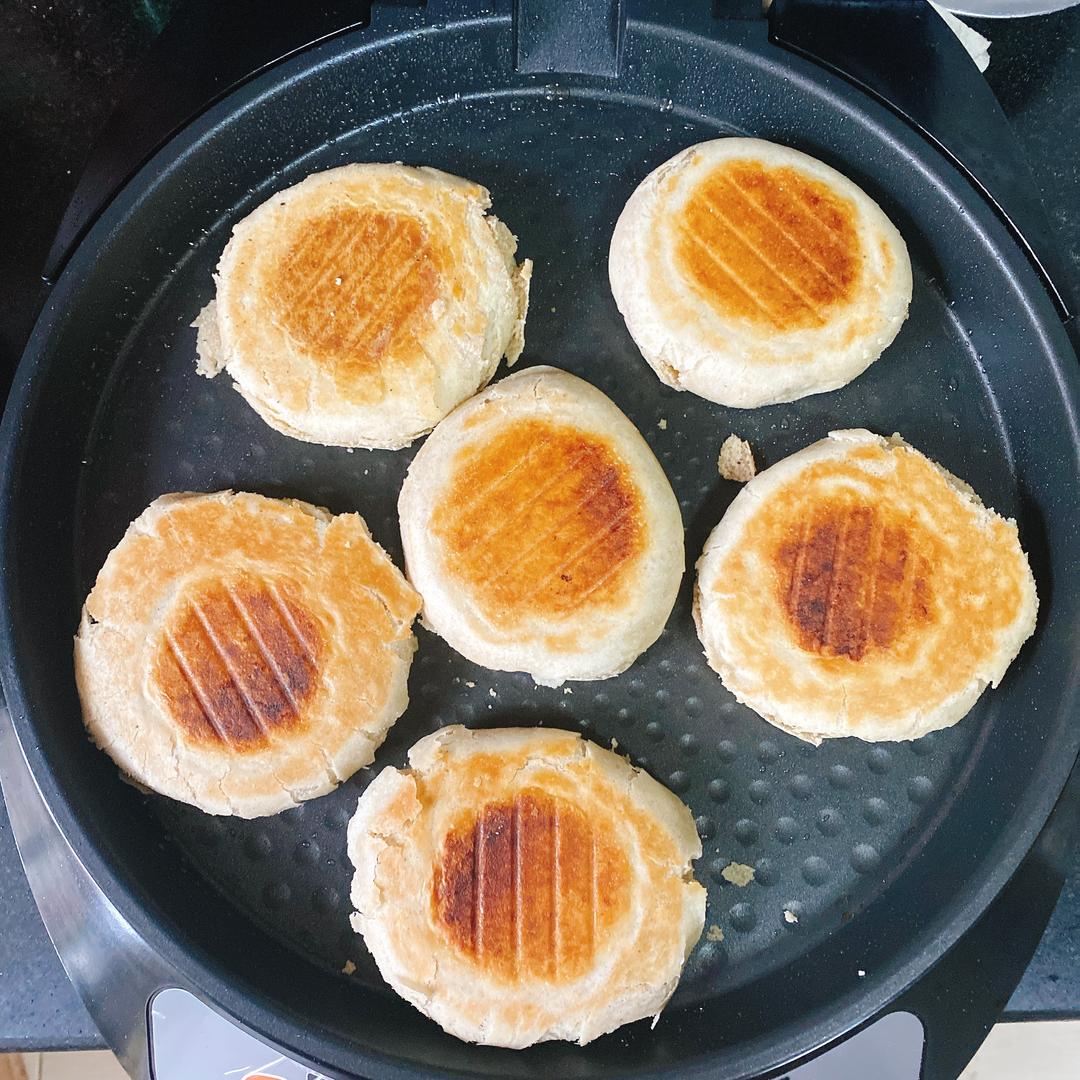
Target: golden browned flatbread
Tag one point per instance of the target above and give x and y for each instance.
(856, 588)
(541, 531)
(241, 653)
(518, 885)
(750, 273)
(358, 307)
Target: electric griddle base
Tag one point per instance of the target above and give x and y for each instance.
(889, 1049)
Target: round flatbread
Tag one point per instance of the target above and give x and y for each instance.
(360, 306)
(856, 588)
(519, 885)
(541, 531)
(243, 654)
(750, 273)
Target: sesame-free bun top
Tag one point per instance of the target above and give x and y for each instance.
(857, 588)
(750, 273)
(241, 653)
(518, 885)
(358, 307)
(541, 531)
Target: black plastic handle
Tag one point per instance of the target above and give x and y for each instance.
(902, 53)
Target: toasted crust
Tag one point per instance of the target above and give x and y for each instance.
(856, 588)
(519, 885)
(541, 531)
(750, 273)
(358, 307)
(243, 654)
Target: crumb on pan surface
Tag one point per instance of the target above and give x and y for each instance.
(738, 874)
(736, 461)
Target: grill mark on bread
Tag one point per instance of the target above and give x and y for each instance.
(305, 634)
(834, 610)
(237, 664)
(567, 526)
(267, 656)
(799, 201)
(518, 921)
(527, 886)
(605, 575)
(556, 890)
(556, 477)
(729, 273)
(787, 235)
(590, 543)
(352, 288)
(877, 535)
(714, 207)
(789, 244)
(852, 581)
(486, 491)
(593, 937)
(388, 305)
(205, 711)
(479, 876)
(359, 243)
(794, 592)
(317, 275)
(234, 678)
(370, 272)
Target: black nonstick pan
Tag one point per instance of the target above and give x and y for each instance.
(885, 854)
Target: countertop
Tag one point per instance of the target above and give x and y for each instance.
(62, 67)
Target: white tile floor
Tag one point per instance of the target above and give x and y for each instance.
(1047, 1051)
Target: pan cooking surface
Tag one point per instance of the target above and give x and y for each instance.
(821, 827)
(865, 846)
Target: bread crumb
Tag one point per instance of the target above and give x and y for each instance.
(337, 281)
(861, 973)
(714, 933)
(663, 423)
(614, 745)
(567, 690)
(349, 968)
(790, 916)
(470, 685)
(738, 874)
(491, 691)
(736, 461)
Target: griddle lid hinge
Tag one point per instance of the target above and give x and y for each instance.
(571, 37)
